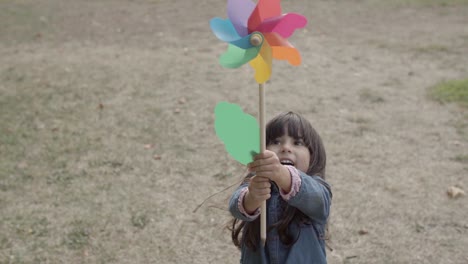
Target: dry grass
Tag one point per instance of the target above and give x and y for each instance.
(107, 141)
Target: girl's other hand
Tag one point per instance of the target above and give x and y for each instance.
(259, 189)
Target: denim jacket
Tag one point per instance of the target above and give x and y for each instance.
(313, 199)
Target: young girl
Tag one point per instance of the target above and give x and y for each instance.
(289, 175)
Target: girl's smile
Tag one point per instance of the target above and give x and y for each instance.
(291, 151)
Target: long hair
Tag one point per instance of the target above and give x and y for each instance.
(299, 128)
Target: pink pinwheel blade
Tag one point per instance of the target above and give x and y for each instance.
(284, 25)
(239, 12)
(265, 9)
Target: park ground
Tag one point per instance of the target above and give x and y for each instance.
(107, 140)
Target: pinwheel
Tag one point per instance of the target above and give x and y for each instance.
(255, 33)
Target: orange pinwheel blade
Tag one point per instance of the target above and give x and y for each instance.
(282, 49)
(284, 53)
(262, 63)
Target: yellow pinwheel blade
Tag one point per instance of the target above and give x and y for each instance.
(262, 63)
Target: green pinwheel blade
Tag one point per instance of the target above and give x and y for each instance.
(239, 132)
(235, 57)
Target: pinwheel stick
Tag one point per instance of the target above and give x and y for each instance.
(262, 149)
(256, 40)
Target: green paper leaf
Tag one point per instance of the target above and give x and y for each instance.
(239, 132)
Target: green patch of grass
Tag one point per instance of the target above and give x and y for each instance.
(367, 95)
(454, 91)
(461, 158)
(78, 237)
(25, 227)
(431, 49)
(21, 233)
(31, 227)
(64, 177)
(5, 243)
(139, 220)
(451, 91)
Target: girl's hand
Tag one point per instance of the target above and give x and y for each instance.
(259, 188)
(259, 191)
(268, 165)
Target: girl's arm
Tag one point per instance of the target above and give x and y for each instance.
(236, 204)
(310, 194)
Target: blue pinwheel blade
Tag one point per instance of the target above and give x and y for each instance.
(243, 43)
(224, 29)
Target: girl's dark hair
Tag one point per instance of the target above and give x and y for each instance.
(299, 128)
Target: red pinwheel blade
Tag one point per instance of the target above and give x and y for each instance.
(265, 9)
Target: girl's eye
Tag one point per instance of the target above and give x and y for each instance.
(299, 142)
(275, 142)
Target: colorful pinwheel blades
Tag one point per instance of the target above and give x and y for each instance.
(246, 19)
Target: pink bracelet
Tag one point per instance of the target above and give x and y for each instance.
(295, 183)
(240, 205)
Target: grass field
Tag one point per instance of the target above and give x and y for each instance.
(107, 142)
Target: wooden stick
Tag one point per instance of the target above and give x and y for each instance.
(262, 149)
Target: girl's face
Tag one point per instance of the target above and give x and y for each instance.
(291, 151)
